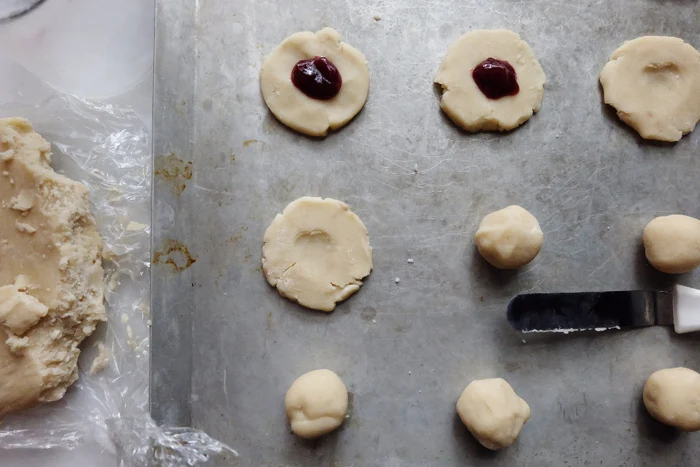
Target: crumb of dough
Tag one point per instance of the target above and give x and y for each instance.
(134, 226)
(24, 227)
(102, 360)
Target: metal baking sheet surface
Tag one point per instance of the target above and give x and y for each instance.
(226, 346)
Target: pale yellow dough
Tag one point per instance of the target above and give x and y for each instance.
(672, 396)
(316, 252)
(462, 100)
(316, 403)
(294, 108)
(672, 243)
(493, 412)
(509, 238)
(51, 279)
(654, 84)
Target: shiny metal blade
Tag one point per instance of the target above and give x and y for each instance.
(570, 312)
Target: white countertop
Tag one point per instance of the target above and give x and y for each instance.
(95, 49)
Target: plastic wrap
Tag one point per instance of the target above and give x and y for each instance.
(108, 149)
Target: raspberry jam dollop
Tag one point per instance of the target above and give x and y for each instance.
(496, 78)
(318, 78)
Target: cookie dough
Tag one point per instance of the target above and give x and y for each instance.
(316, 252)
(316, 403)
(654, 84)
(509, 238)
(672, 243)
(462, 100)
(300, 112)
(672, 396)
(51, 279)
(493, 412)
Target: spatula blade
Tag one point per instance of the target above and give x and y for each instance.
(581, 311)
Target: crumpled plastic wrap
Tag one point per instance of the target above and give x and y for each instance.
(108, 149)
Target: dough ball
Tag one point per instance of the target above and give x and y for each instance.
(654, 83)
(51, 278)
(509, 238)
(294, 108)
(316, 252)
(493, 412)
(316, 403)
(672, 243)
(463, 101)
(672, 396)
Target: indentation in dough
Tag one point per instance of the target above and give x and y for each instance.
(668, 67)
(315, 240)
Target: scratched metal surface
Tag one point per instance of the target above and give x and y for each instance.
(226, 346)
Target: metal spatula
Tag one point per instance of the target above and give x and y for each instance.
(601, 311)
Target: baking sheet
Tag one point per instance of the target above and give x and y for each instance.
(226, 346)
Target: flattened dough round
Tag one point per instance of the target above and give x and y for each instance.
(462, 100)
(654, 83)
(294, 108)
(316, 252)
(316, 403)
(509, 238)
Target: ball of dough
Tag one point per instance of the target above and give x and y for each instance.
(316, 252)
(294, 108)
(493, 412)
(462, 100)
(672, 396)
(672, 243)
(654, 83)
(316, 403)
(509, 238)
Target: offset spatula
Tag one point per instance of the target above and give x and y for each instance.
(601, 311)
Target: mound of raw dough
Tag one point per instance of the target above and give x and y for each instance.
(51, 279)
(300, 112)
(672, 243)
(654, 83)
(316, 252)
(509, 238)
(493, 412)
(672, 396)
(462, 100)
(316, 403)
